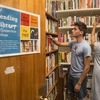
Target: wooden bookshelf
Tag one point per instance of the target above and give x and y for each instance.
(51, 70)
(73, 13)
(53, 34)
(50, 90)
(51, 17)
(78, 12)
(51, 25)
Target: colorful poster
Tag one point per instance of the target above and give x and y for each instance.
(19, 32)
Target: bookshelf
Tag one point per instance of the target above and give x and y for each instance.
(51, 52)
(78, 12)
(63, 83)
(69, 12)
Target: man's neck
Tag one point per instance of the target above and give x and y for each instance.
(80, 38)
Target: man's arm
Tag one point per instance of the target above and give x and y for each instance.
(93, 33)
(84, 73)
(57, 42)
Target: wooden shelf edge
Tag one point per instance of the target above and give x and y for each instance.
(51, 88)
(71, 27)
(73, 10)
(65, 63)
(52, 17)
(89, 88)
(79, 12)
(50, 33)
(89, 75)
(51, 70)
(63, 74)
(55, 96)
(51, 51)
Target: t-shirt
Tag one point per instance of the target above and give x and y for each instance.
(79, 51)
(95, 90)
(97, 57)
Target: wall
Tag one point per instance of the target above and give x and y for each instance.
(29, 73)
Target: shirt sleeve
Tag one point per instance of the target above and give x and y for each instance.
(87, 51)
(70, 43)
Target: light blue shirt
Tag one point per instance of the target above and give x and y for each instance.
(79, 51)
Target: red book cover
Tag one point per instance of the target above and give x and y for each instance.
(24, 19)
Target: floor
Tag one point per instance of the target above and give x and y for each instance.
(88, 96)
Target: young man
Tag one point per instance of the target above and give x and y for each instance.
(95, 91)
(80, 61)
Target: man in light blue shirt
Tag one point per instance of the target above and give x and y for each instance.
(80, 61)
(79, 51)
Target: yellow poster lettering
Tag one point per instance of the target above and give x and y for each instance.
(24, 32)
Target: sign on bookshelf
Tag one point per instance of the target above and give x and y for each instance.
(19, 32)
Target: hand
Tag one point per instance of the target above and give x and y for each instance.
(95, 24)
(77, 87)
(50, 37)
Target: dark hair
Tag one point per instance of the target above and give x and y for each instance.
(98, 36)
(82, 27)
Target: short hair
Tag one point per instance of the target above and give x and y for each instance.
(82, 27)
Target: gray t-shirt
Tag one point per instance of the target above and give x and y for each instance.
(95, 91)
(79, 51)
(97, 57)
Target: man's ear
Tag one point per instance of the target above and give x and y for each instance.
(82, 32)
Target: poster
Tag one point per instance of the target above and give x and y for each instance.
(19, 32)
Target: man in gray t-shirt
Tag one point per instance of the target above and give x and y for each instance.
(80, 61)
(79, 51)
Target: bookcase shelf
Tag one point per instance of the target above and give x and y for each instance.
(51, 17)
(63, 86)
(53, 34)
(55, 96)
(89, 75)
(78, 12)
(63, 74)
(51, 70)
(71, 27)
(65, 63)
(51, 51)
(50, 90)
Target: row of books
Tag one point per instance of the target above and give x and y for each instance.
(50, 45)
(76, 4)
(63, 73)
(64, 57)
(65, 94)
(88, 38)
(69, 21)
(62, 69)
(89, 83)
(29, 45)
(53, 94)
(90, 71)
(64, 37)
(51, 7)
(51, 26)
(50, 81)
(50, 62)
